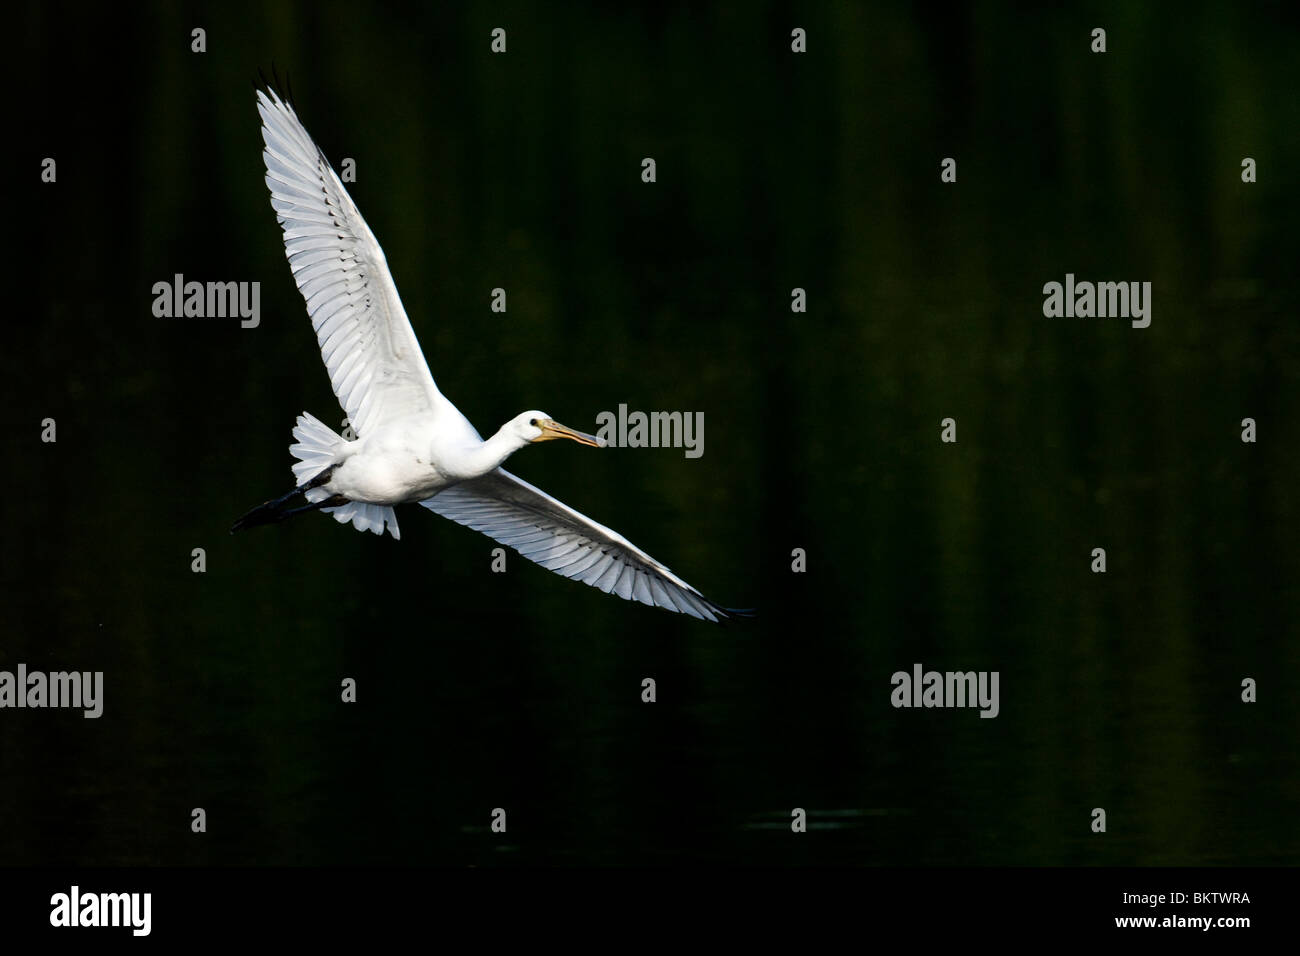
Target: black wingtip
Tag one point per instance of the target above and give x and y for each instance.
(281, 89)
(727, 615)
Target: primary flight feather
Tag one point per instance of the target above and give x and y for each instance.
(412, 444)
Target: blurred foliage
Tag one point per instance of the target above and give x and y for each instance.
(774, 171)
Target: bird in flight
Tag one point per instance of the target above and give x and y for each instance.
(412, 444)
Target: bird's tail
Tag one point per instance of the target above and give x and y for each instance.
(317, 448)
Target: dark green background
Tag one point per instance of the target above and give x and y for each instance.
(775, 170)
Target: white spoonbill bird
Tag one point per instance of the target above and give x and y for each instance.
(412, 444)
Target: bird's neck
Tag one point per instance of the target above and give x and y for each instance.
(488, 455)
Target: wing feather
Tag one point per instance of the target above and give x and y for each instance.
(549, 532)
(370, 351)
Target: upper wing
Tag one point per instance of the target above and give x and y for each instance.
(374, 361)
(560, 539)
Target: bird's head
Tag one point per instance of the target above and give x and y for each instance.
(537, 426)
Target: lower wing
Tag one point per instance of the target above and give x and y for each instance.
(560, 539)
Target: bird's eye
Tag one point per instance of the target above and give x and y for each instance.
(533, 422)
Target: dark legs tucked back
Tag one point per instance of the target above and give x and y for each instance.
(273, 512)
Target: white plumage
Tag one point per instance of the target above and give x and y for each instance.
(412, 444)
(549, 532)
(374, 362)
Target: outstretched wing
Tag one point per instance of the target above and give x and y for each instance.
(560, 539)
(374, 361)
